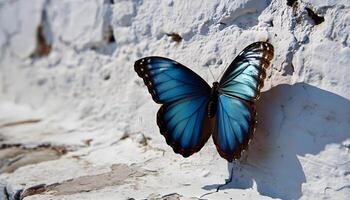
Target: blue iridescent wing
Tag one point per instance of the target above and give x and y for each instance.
(182, 119)
(168, 80)
(245, 75)
(239, 88)
(185, 124)
(234, 127)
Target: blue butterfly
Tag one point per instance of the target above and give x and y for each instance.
(191, 110)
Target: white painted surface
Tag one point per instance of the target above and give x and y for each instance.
(301, 147)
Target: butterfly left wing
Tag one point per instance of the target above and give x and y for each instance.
(185, 124)
(168, 80)
(238, 90)
(182, 119)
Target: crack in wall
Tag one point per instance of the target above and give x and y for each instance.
(16, 123)
(344, 187)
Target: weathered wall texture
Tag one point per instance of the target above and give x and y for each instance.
(75, 117)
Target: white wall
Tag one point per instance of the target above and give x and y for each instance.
(86, 86)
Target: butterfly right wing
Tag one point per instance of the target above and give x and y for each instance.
(182, 119)
(238, 90)
(245, 75)
(234, 127)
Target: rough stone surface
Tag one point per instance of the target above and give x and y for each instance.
(67, 80)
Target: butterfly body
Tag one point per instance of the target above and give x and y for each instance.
(192, 111)
(213, 100)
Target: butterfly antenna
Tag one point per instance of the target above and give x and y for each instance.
(212, 74)
(222, 72)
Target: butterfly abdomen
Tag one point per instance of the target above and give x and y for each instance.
(212, 105)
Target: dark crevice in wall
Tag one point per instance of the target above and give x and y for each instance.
(6, 193)
(108, 45)
(37, 189)
(43, 46)
(291, 2)
(110, 35)
(108, 1)
(295, 6)
(316, 18)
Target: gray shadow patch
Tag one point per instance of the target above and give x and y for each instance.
(293, 120)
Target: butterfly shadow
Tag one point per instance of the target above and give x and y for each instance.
(293, 120)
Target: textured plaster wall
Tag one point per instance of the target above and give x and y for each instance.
(67, 80)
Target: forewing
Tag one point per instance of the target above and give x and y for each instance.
(235, 124)
(168, 80)
(185, 124)
(244, 77)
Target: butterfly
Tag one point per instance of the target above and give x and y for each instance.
(192, 111)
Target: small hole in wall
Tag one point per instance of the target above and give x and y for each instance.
(271, 23)
(107, 77)
(41, 81)
(223, 23)
(110, 36)
(316, 18)
(291, 2)
(175, 37)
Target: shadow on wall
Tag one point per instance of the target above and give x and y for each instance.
(294, 120)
